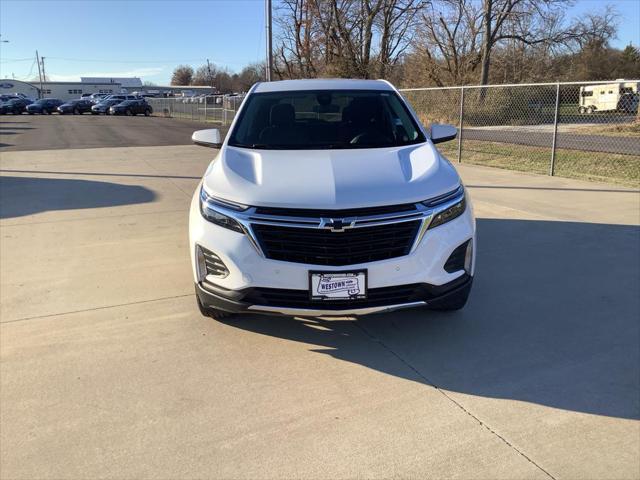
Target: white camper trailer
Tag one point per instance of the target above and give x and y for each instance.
(620, 96)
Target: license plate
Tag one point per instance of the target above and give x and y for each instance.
(338, 286)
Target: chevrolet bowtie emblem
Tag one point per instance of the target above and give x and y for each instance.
(337, 224)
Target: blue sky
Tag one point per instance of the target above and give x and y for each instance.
(149, 38)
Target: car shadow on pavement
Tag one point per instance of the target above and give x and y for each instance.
(20, 196)
(553, 319)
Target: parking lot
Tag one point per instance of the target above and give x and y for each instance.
(47, 132)
(108, 369)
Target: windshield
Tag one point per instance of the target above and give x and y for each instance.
(307, 120)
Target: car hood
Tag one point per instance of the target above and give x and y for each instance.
(331, 179)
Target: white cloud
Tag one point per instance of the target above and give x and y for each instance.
(138, 72)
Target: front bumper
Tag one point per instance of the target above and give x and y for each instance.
(289, 302)
(251, 274)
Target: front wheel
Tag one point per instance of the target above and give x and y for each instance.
(129, 113)
(46, 112)
(76, 111)
(147, 113)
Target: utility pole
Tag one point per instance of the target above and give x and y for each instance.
(39, 72)
(210, 76)
(44, 76)
(269, 69)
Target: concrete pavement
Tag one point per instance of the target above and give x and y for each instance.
(108, 370)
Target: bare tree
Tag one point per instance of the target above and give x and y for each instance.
(458, 36)
(182, 75)
(205, 75)
(346, 38)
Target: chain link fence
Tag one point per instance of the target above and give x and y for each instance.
(219, 109)
(587, 130)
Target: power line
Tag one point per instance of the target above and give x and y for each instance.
(11, 60)
(182, 60)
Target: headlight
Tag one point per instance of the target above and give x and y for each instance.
(210, 210)
(449, 214)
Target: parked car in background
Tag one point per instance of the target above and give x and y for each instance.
(15, 106)
(97, 97)
(355, 210)
(76, 107)
(121, 97)
(44, 106)
(102, 107)
(131, 107)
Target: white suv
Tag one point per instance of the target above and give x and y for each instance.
(329, 198)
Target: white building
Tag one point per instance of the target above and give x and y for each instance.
(88, 85)
(129, 83)
(68, 90)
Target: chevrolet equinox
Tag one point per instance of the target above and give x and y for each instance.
(328, 197)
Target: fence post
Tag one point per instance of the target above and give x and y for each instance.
(552, 167)
(461, 124)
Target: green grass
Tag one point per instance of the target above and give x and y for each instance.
(595, 166)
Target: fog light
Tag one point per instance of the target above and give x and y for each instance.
(209, 264)
(468, 257)
(201, 264)
(458, 259)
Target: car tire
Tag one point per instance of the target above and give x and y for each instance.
(45, 112)
(76, 112)
(581, 110)
(590, 110)
(452, 302)
(129, 113)
(147, 113)
(212, 312)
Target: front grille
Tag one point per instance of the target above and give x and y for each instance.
(317, 246)
(376, 297)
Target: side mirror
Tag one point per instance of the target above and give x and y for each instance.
(443, 133)
(207, 138)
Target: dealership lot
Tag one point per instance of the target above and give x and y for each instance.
(108, 369)
(46, 132)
